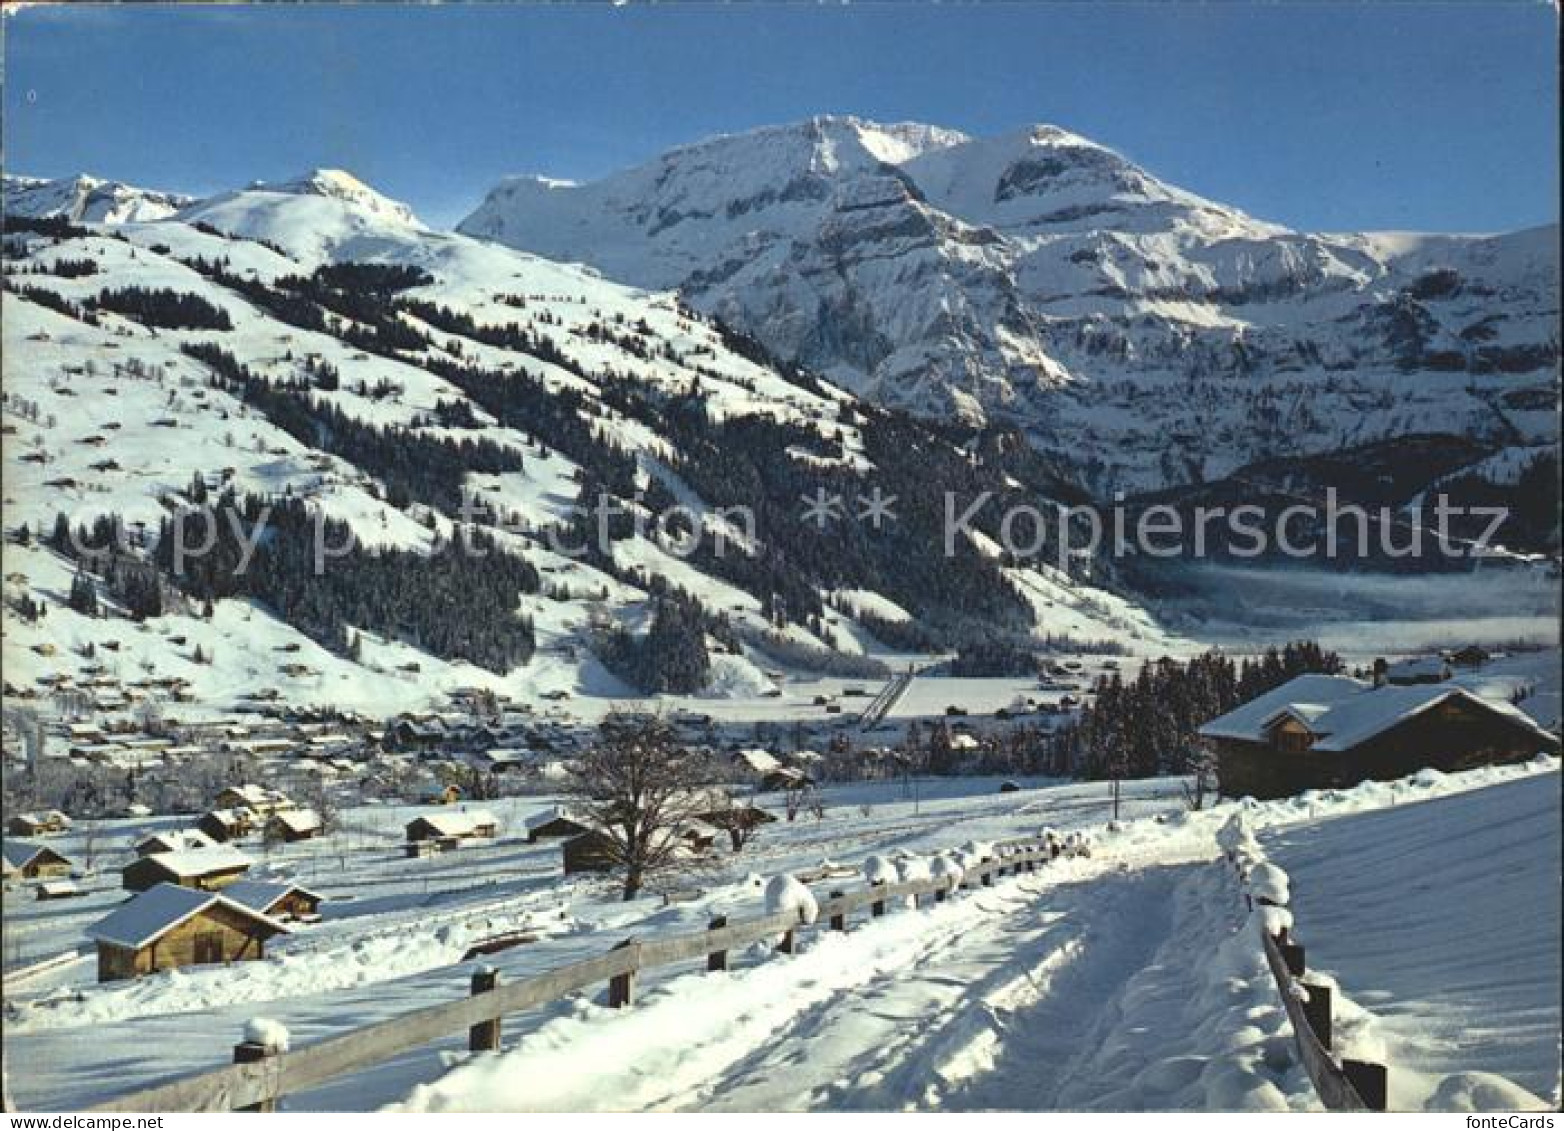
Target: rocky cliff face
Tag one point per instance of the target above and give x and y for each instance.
(1142, 334)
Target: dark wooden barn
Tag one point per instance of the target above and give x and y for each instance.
(592, 851)
(1332, 732)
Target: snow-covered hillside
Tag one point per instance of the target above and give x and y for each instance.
(1441, 924)
(1129, 980)
(1143, 335)
(529, 383)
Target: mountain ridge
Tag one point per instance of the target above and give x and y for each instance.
(1042, 280)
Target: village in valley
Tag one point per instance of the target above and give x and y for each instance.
(377, 856)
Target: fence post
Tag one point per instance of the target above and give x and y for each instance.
(839, 920)
(1370, 1081)
(252, 1052)
(717, 959)
(621, 987)
(877, 908)
(485, 1035)
(1317, 1011)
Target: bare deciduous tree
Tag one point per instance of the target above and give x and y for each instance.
(639, 787)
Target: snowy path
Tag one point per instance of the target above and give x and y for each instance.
(986, 1019)
(1029, 996)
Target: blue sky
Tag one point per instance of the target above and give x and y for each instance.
(1327, 116)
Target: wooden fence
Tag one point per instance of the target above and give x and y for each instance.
(259, 1076)
(1343, 1084)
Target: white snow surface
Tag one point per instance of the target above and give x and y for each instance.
(1130, 979)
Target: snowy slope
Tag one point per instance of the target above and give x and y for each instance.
(1442, 921)
(1132, 980)
(113, 418)
(1041, 278)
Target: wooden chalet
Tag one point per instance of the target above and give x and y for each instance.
(1332, 732)
(204, 869)
(291, 825)
(223, 825)
(555, 823)
(256, 798)
(168, 926)
(33, 862)
(46, 823)
(281, 901)
(441, 831)
(1412, 671)
(592, 851)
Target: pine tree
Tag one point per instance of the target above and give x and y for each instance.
(84, 595)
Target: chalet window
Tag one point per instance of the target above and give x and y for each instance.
(208, 947)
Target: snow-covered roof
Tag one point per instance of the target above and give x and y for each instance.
(1358, 720)
(18, 854)
(250, 794)
(298, 820)
(1418, 667)
(458, 824)
(201, 861)
(175, 840)
(1343, 713)
(159, 910)
(262, 895)
(1248, 722)
(555, 813)
(758, 761)
(232, 816)
(52, 817)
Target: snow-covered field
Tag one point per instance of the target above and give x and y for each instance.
(1127, 980)
(1442, 922)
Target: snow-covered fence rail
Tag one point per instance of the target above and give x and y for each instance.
(1342, 1083)
(261, 1075)
(16, 975)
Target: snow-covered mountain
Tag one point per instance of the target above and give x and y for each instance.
(310, 343)
(1141, 334)
(87, 199)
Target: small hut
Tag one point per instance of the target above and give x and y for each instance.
(168, 926)
(34, 862)
(592, 851)
(38, 824)
(291, 825)
(223, 825)
(254, 797)
(555, 823)
(449, 830)
(59, 889)
(204, 869)
(281, 901)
